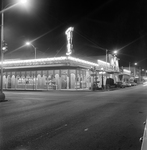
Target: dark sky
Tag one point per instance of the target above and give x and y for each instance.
(99, 25)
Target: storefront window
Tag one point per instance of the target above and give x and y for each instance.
(51, 80)
(21, 80)
(30, 81)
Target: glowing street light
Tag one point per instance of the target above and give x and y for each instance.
(115, 52)
(2, 50)
(23, 1)
(135, 64)
(28, 44)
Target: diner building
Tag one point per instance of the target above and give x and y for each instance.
(58, 73)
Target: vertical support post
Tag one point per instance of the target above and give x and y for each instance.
(102, 81)
(35, 52)
(76, 79)
(2, 39)
(106, 59)
(35, 77)
(1, 52)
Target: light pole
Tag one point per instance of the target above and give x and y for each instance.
(1, 52)
(28, 43)
(106, 59)
(136, 75)
(102, 72)
(2, 96)
(135, 69)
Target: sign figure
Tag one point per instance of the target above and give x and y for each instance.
(69, 34)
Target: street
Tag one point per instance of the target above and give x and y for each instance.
(73, 120)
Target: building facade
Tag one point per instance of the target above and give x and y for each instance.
(55, 73)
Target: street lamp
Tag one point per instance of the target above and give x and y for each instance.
(106, 59)
(28, 43)
(2, 96)
(102, 72)
(115, 52)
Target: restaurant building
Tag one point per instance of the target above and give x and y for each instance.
(64, 72)
(58, 73)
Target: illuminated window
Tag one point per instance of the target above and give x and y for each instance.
(21, 80)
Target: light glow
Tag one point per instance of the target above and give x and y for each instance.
(125, 70)
(53, 59)
(28, 43)
(115, 52)
(83, 61)
(106, 63)
(102, 72)
(23, 1)
(135, 64)
(34, 60)
(4, 48)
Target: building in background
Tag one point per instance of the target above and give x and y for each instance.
(135, 73)
(124, 75)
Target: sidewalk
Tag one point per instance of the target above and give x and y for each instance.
(70, 90)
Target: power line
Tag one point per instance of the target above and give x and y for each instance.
(90, 41)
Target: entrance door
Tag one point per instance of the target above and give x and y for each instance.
(72, 81)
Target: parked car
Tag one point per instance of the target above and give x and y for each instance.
(128, 84)
(133, 83)
(121, 84)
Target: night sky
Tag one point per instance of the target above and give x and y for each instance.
(98, 25)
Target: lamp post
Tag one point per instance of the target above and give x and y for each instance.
(135, 64)
(28, 43)
(1, 52)
(106, 59)
(2, 96)
(102, 72)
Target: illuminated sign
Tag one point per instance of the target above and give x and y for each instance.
(69, 34)
(126, 71)
(113, 62)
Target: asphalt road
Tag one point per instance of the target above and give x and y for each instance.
(70, 120)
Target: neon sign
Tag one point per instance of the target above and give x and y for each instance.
(69, 34)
